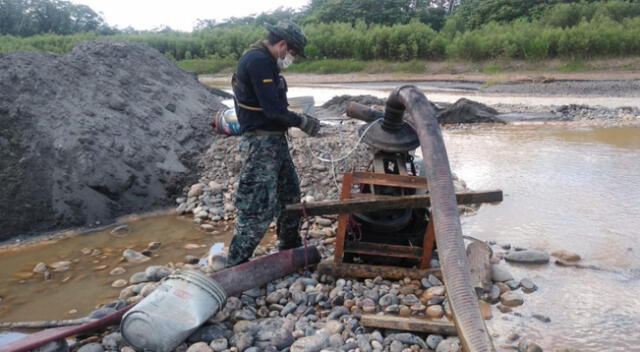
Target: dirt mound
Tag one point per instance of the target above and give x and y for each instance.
(467, 111)
(108, 129)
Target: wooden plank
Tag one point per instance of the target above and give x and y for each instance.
(365, 271)
(385, 250)
(479, 255)
(427, 245)
(371, 178)
(342, 219)
(426, 325)
(368, 204)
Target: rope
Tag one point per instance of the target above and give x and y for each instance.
(333, 160)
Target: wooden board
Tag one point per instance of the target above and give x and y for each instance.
(479, 255)
(365, 271)
(426, 325)
(376, 203)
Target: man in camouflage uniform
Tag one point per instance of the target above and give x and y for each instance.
(268, 180)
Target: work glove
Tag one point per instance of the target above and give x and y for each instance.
(309, 125)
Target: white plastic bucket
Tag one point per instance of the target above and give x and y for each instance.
(172, 312)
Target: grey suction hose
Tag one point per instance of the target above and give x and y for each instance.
(451, 251)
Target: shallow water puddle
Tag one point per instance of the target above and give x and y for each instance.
(27, 296)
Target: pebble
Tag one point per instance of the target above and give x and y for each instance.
(388, 300)
(528, 257)
(119, 283)
(242, 341)
(60, 266)
(195, 190)
(500, 274)
(433, 341)
(435, 311)
(451, 344)
(527, 285)
(513, 284)
(410, 300)
(40, 268)
(566, 256)
(153, 245)
(207, 227)
(288, 309)
(117, 271)
(526, 345)
(503, 309)
(112, 341)
(363, 343)
(134, 257)
(396, 346)
(138, 278)
(219, 345)
(511, 299)
(404, 311)
(199, 347)
(542, 318)
(312, 343)
(91, 347)
(157, 272)
(406, 338)
(435, 281)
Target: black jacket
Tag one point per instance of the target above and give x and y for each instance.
(258, 84)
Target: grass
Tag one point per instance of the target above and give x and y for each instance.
(493, 69)
(574, 66)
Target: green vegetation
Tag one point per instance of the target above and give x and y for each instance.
(396, 35)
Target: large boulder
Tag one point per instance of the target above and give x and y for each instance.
(108, 129)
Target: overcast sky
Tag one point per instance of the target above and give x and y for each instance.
(179, 14)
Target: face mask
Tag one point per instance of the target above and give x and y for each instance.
(287, 61)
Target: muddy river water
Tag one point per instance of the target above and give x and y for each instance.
(566, 187)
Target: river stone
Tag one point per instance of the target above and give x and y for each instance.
(566, 256)
(112, 341)
(288, 309)
(513, 284)
(433, 341)
(526, 345)
(60, 266)
(528, 257)
(244, 314)
(392, 309)
(191, 259)
(511, 299)
(119, 283)
(153, 245)
(311, 343)
(195, 190)
(396, 346)
(337, 312)
(242, 341)
(435, 311)
(542, 318)
(200, 347)
(157, 272)
(138, 278)
(363, 343)
(410, 300)
(377, 346)
(388, 300)
(40, 268)
(451, 344)
(132, 256)
(275, 296)
(500, 274)
(91, 347)
(527, 285)
(434, 280)
(278, 338)
(148, 288)
(117, 271)
(405, 338)
(334, 326)
(243, 326)
(219, 345)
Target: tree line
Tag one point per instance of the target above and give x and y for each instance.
(475, 30)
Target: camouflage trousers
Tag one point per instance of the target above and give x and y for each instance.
(268, 182)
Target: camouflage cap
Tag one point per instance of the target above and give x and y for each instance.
(292, 33)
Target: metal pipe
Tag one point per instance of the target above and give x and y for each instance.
(451, 251)
(233, 281)
(363, 112)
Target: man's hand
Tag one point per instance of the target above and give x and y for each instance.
(309, 125)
